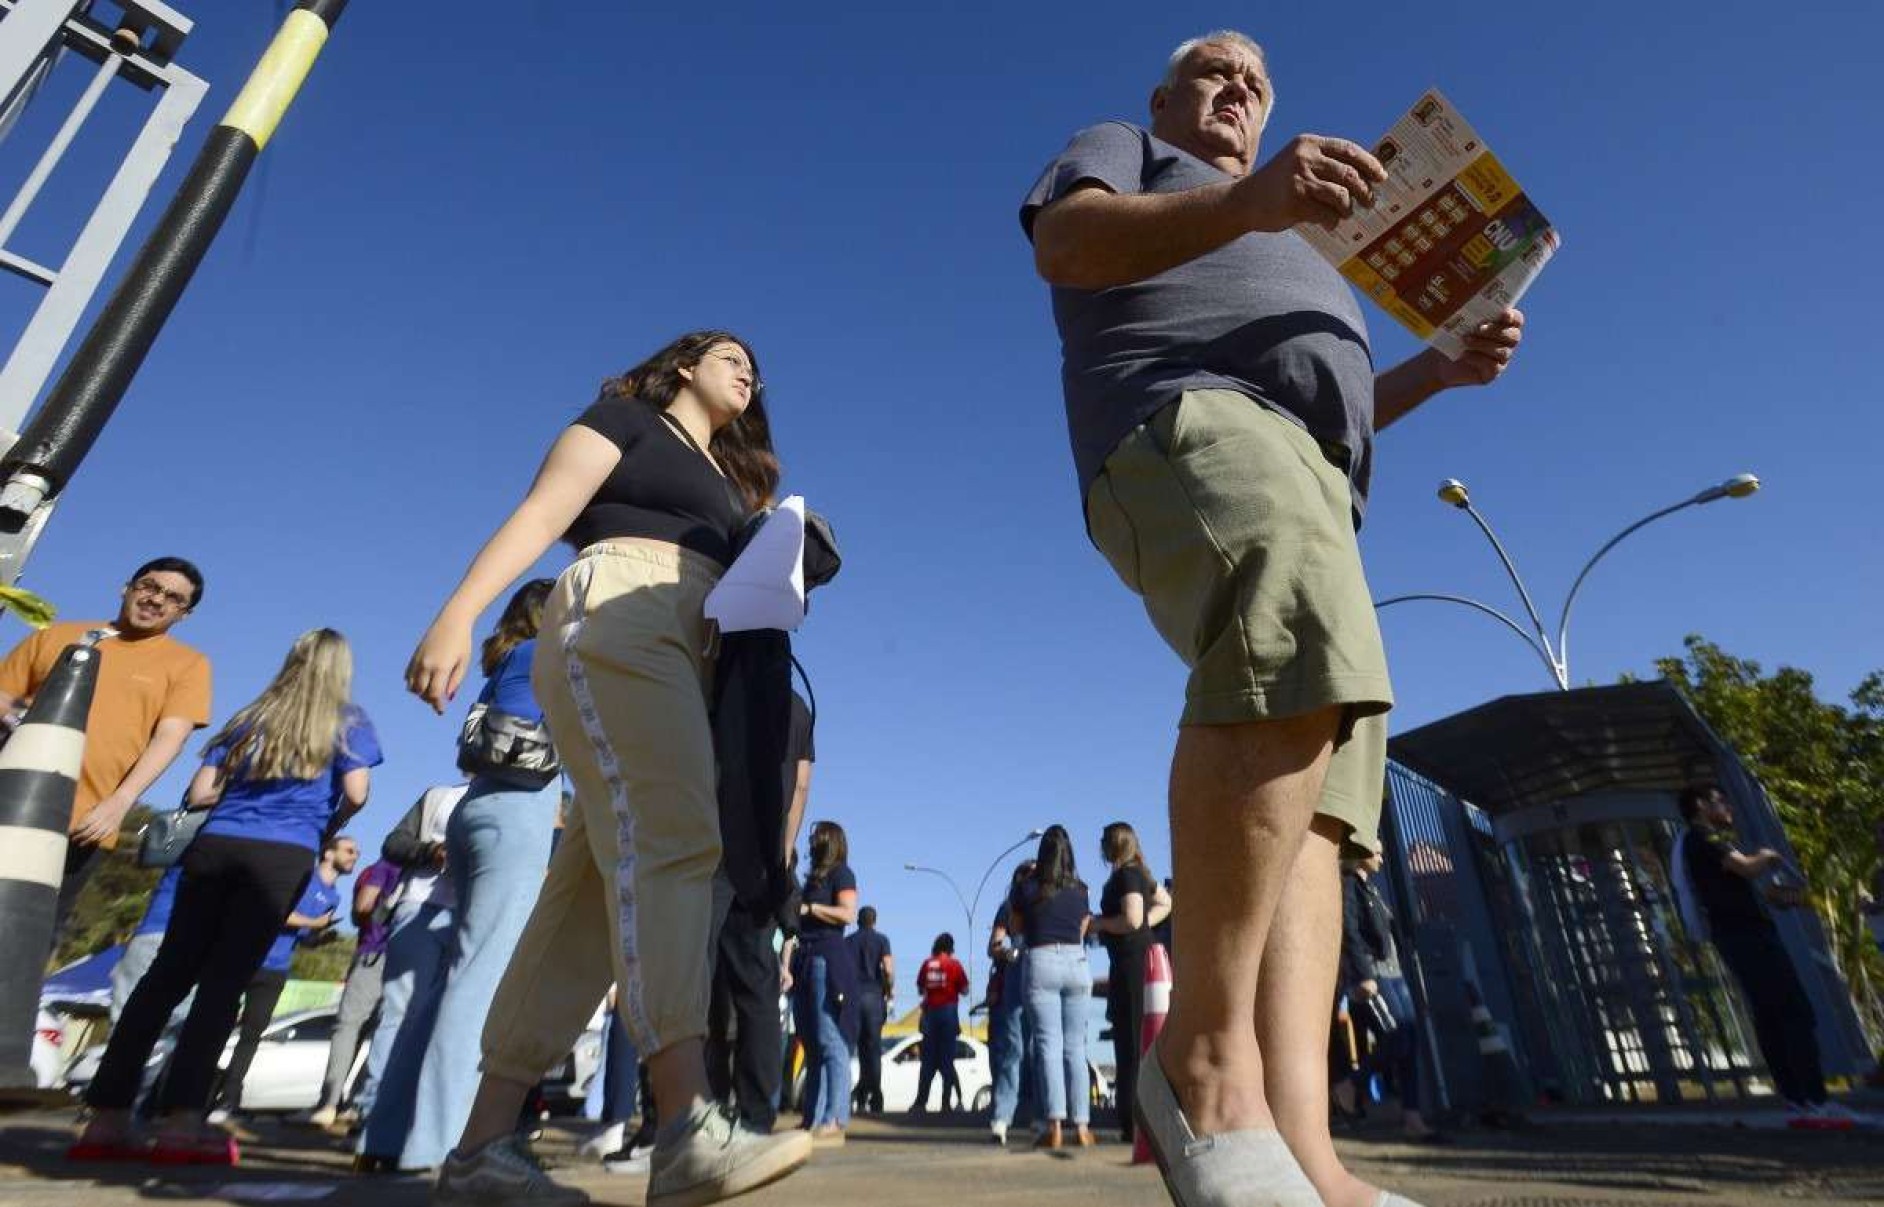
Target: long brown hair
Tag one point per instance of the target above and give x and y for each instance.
(743, 447)
(829, 847)
(1119, 844)
(522, 617)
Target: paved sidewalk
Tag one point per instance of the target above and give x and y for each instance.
(894, 1163)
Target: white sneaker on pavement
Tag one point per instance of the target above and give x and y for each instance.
(710, 1157)
(604, 1142)
(321, 1116)
(501, 1173)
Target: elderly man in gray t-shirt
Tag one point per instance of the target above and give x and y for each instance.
(1222, 402)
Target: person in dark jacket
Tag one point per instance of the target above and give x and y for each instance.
(1378, 997)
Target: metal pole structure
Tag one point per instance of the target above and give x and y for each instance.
(1464, 503)
(1737, 487)
(64, 428)
(975, 908)
(1557, 657)
(1550, 664)
(966, 911)
(39, 770)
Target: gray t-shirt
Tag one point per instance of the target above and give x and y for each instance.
(1262, 315)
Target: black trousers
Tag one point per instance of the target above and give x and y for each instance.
(1783, 1023)
(871, 1013)
(231, 901)
(745, 1047)
(1125, 1010)
(258, 1006)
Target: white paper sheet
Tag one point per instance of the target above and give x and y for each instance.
(764, 588)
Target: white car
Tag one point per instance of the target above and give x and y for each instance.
(902, 1073)
(291, 1062)
(286, 1075)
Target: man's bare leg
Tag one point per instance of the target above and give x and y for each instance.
(1242, 797)
(1294, 999)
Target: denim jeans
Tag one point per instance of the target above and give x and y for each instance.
(497, 847)
(418, 950)
(1007, 1045)
(1395, 1052)
(1059, 1006)
(827, 1056)
(941, 1025)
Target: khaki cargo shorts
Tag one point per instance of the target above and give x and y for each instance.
(1237, 531)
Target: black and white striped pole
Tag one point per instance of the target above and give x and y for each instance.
(66, 425)
(39, 771)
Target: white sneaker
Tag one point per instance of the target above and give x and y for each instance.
(630, 1160)
(1000, 1132)
(503, 1172)
(322, 1116)
(717, 1158)
(219, 1116)
(604, 1142)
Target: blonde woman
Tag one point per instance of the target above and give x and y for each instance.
(651, 485)
(284, 772)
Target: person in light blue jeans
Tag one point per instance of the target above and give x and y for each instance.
(497, 851)
(1055, 910)
(498, 846)
(1007, 1014)
(825, 983)
(418, 952)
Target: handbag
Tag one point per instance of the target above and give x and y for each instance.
(505, 746)
(166, 836)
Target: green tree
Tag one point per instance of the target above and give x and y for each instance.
(1823, 766)
(324, 961)
(112, 902)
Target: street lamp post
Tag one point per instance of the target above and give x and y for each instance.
(970, 909)
(1556, 656)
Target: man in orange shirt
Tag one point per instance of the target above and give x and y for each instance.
(152, 692)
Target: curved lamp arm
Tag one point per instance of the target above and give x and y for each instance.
(1542, 644)
(1563, 623)
(950, 881)
(1535, 647)
(980, 888)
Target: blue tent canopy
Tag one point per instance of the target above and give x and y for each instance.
(85, 982)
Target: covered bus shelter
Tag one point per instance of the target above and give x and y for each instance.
(1529, 842)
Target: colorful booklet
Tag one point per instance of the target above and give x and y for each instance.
(1451, 239)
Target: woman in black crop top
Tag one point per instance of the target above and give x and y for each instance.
(1053, 912)
(650, 485)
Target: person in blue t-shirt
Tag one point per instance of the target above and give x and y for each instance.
(311, 921)
(284, 772)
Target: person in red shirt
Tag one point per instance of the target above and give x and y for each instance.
(942, 982)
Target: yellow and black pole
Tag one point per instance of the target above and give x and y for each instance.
(64, 428)
(39, 771)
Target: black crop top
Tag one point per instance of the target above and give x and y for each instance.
(662, 488)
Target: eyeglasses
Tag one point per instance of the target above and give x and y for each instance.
(147, 586)
(739, 362)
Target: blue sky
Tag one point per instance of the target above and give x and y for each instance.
(468, 221)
